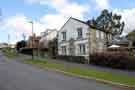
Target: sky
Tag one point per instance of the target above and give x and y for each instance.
(16, 15)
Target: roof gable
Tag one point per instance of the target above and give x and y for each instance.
(75, 20)
(82, 23)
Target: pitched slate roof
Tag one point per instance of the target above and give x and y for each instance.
(79, 20)
(93, 27)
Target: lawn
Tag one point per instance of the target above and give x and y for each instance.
(123, 79)
(43, 64)
(9, 53)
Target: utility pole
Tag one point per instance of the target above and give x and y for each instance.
(32, 40)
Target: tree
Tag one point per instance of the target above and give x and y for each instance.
(131, 37)
(20, 45)
(109, 22)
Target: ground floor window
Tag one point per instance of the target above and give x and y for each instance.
(82, 49)
(64, 51)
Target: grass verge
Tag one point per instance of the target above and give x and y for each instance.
(118, 78)
(9, 53)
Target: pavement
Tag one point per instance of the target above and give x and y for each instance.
(18, 76)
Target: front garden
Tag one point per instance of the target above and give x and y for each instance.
(117, 78)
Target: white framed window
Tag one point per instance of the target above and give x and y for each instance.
(82, 49)
(64, 50)
(97, 33)
(109, 36)
(102, 35)
(64, 36)
(80, 34)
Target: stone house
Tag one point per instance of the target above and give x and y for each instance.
(77, 38)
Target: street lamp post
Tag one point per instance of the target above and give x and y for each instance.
(9, 40)
(32, 40)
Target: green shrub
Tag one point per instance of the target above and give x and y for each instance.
(77, 59)
(113, 60)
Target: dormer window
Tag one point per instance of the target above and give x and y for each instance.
(64, 36)
(79, 30)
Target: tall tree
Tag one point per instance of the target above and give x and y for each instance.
(108, 22)
(131, 37)
(20, 45)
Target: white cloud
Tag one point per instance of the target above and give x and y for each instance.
(19, 24)
(102, 4)
(74, 10)
(53, 21)
(128, 16)
(64, 8)
(67, 8)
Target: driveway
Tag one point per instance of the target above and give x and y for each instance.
(17, 76)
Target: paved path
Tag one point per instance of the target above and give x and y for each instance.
(17, 76)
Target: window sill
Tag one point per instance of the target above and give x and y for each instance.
(78, 38)
(63, 40)
(82, 54)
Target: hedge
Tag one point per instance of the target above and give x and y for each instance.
(113, 60)
(28, 51)
(77, 59)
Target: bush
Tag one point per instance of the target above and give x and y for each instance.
(27, 51)
(77, 59)
(113, 60)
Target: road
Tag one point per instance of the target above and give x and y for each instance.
(18, 76)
